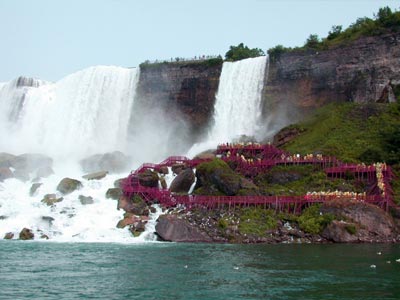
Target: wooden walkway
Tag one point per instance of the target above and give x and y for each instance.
(377, 175)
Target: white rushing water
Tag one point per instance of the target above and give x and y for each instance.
(237, 108)
(84, 113)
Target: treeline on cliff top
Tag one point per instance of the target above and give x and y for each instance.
(385, 20)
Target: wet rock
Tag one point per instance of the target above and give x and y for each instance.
(48, 219)
(34, 188)
(114, 193)
(216, 177)
(3, 217)
(95, 176)
(372, 219)
(44, 172)
(177, 168)
(148, 178)
(22, 175)
(163, 183)
(6, 159)
(68, 185)
(44, 236)
(26, 234)
(5, 173)
(206, 155)
(85, 200)
(152, 209)
(51, 199)
(137, 206)
(340, 232)
(171, 228)
(9, 236)
(183, 182)
(163, 170)
(114, 162)
(118, 183)
(29, 162)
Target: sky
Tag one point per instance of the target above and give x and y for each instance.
(49, 39)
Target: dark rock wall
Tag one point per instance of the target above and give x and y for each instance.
(365, 70)
(184, 89)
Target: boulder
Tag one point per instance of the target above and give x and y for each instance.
(9, 236)
(340, 232)
(30, 162)
(148, 178)
(369, 217)
(183, 182)
(44, 172)
(85, 200)
(22, 174)
(114, 193)
(26, 234)
(216, 177)
(163, 170)
(34, 188)
(177, 168)
(68, 185)
(171, 228)
(5, 173)
(163, 183)
(137, 206)
(114, 162)
(6, 159)
(51, 199)
(207, 155)
(95, 176)
(49, 220)
(118, 182)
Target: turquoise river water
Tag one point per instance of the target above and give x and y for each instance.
(48, 270)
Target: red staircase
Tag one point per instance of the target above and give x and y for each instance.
(268, 156)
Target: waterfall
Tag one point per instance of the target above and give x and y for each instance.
(84, 113)
(237, 109)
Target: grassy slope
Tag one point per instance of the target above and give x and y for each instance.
(351, 132)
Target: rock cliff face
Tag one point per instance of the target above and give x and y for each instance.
(365, 70)
(184, 88)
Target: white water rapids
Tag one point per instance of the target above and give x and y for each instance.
(85, 113)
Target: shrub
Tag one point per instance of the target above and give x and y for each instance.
(351, 228)
(313, 221)
(241, 52)
(256, 221)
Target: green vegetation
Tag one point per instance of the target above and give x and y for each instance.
(385, 20)
(241, 52)
(313, 221)
(353, 133)
(257, 220)
(297, 180)
(351, 228)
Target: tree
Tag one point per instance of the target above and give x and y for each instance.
(335, 32)
(241, 52)
(312, 41)
(276, 52)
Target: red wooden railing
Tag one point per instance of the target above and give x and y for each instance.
(271, 156)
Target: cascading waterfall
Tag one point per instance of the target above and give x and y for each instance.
(87, 113)
(84, 113)
(237, 109)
